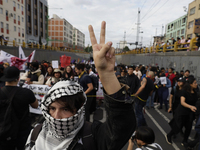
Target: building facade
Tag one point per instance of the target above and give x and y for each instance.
(193, 13)
(12, 20)
(158, 40)
(60, 32)
(36, 21)
(122, 44)
(176, 28)
(78, 39)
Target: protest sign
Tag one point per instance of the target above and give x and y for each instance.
(39, 91)
(55, 64)
(65, 61)
(163, 80)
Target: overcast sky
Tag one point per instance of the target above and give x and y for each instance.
(120, 16)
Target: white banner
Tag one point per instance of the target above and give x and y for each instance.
(39, 91)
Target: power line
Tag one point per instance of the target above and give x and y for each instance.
(151, 8)
(143, 4)
(156, 10)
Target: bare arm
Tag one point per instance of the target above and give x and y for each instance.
(35, 104)
(170, 103)
(143, 84)
(90, 88)
(104, 58)
(183, 103)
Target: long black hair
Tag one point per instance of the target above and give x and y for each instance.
(187, 86)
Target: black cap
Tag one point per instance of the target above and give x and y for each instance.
(10, 74)
(181, 79)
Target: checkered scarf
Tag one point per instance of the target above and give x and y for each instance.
(67, 128)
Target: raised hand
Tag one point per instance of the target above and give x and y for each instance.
(103, 54)
(104, 59)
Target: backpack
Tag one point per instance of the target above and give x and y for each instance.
(95, 82)
(9, 123)
(85, 133)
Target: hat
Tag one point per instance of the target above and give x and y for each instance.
(181, 79)
(6, 63)
(10, 74)
(57, 70)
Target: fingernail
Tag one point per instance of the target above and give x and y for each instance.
(109, 43)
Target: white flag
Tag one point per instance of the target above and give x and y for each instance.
(21, 53)
(31, 56)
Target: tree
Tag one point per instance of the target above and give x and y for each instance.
(126, 48)
(88, 49)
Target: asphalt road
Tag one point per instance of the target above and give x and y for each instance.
(156, 119)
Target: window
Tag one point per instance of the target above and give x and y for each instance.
(22, 19)
(29, 18)
(183, 20)
(1, 10)
(1, 24)
(35, 2)
(18, 18)
(14, 16)
(182, 31)
(22, 32)
(29, 7)
(19, 40)
(14, 4)
(15, 28)
(178, 33)
(6, 1)
(18, 29)
(189, 36)
(6, 13)
(35, 11)
(192, 11)
(7, 26)
(18, 6)
(190, 25)
(22, 8)
(15, 39)
(35, 21)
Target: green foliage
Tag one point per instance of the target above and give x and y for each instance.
(88, 49)
(126, 48)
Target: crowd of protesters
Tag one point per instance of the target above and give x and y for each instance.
(67, 106)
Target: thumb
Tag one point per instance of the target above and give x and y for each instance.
(106, 47)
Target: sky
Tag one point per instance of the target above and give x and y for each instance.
(120, 16)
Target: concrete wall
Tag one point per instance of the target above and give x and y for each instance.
(177, 60)
(41, 54)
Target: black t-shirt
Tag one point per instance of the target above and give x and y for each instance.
(177, 96)
(84, 80)
(147, 90)
(190, 98)
(21, 102)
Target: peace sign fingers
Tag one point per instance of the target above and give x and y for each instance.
(92, 35)
(103, 31)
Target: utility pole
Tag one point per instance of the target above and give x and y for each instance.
(124, 39)
(138, 28)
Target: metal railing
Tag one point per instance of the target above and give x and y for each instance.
(38, 46)
(165, 48)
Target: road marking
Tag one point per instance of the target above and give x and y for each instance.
(160, 128)
(166, 119)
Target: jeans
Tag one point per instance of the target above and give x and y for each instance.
(139, 112)
(163, 93)
(87, 108)
(151, 98)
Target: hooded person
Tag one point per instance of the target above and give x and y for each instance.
(34, 76)
(63, 110)
(56, 77)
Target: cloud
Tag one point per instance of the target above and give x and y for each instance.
(120, 16)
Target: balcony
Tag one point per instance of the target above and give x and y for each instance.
(1, 2)
(22, 13)
(2, 30)
(18, 34)
(6, 18)
(7, 31)
(14, 8)
(15, 21)
(18, 22)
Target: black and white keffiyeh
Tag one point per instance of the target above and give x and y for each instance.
(62, 129)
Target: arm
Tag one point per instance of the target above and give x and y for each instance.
(120, 122)
(143, 84)
(130, 145)
(170, 103)
(183, 103)
(35, 104)
(90, 88)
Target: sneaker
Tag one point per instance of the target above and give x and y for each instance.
(168, 139)
(185, 144)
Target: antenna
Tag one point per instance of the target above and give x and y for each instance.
(138, 28)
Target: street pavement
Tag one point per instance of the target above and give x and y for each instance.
(158, 120)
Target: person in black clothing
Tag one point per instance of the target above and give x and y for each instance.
(146, 89)
(21, 102)
(198, 40)
(68, 73)
(132, 80)
(185, 112)
(2, 83)
(175, 96)
(86, 82)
